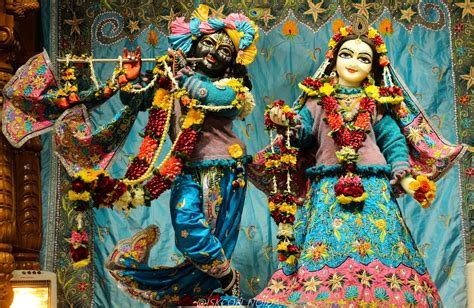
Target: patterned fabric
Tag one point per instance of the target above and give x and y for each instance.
(27, 112)
(78, 146)
(205, 212)
(430, 153)
(352, 256)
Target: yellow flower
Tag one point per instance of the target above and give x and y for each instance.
(432, 186)
(414, 185)
(235, 151)
(83, 196)
(381, 224)
(332, 43)
(382, 48)
(422, 178)
(272, 206)
(291, 260)
(194, 116)
(161, 99)
(286, 108)
(288, 159)
(288, 208)
(179, 93)
(326, 89)
(283, 246)
(89, 175)
(372, 33)
(234, 84)
(372, 91)
(430, 196)
(343, 31)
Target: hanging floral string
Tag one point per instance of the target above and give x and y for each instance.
(281, 163)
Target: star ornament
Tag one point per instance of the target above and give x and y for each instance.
(469, 78)
(133, 26)
(267, 16)
(467, 7)
(74, 23)
(363, 7)
(315, 9)
(172, 16)
(312, 285)
(407, 14)
(218, 13)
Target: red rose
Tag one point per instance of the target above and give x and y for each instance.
(165, 83)
(419, 196)
(337, 37)
(378, 40)
(292, 248)
(424, 187)
(79, 254)
(78, 185)
(281, 257)
(105, 184)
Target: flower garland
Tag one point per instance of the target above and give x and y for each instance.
(282, 205)
(349, 128)
(372, 34)
(129, 192)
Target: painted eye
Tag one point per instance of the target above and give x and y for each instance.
(207, 42)
(225, 51)
(365, 60)
(345, 54)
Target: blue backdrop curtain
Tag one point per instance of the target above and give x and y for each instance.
(289, 50)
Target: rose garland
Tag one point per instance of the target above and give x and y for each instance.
(282, 205)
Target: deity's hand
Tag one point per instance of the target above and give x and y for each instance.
(405, 183)
(133, 68)
(179, 59)
(278, 116)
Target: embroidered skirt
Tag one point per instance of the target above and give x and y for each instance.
(362, 255)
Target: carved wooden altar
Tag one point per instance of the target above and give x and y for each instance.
(20, 182)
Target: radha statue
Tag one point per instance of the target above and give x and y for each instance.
(369, 142)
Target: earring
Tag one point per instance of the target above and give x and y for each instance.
(333, 74)
(370, 78)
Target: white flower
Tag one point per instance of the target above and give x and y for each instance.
(285, 230)
(248, 105)
(138, 197)
(123, 202)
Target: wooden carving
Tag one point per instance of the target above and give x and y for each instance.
(27, 182)
(20, 7)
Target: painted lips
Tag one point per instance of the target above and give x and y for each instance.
(211, 59)
(351, 70)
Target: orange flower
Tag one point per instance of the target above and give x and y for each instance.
(363, 120)
(386, 26)
(338, 23)
(147, 149)
(290, 28)
(335, 121)
(171, 168)
(152, 38)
